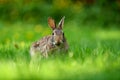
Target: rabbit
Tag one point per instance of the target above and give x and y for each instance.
(54, 42)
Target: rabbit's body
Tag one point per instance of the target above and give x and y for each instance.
(51, 43)
(46, 46)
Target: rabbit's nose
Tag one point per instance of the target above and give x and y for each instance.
(61, 41)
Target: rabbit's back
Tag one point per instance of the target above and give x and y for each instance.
(42, 46)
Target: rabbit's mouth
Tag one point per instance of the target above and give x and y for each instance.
(58, 44)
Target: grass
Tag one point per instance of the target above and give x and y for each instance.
(93, 53)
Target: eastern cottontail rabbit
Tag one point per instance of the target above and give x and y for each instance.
(54, 42)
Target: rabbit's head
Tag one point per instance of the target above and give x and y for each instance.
(57, 34)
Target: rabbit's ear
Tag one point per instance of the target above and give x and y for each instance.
(51, 23)
(61, 23)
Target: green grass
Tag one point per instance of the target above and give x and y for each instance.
(93, 53)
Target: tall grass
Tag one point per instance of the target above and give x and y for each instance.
(93, 54)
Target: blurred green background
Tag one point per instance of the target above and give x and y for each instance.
(105, 13)
(92, 29)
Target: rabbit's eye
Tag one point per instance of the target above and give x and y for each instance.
(52, 33)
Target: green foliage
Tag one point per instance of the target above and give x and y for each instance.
(93, 54)
(87, 12)
(93, 51)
